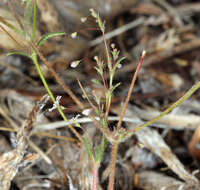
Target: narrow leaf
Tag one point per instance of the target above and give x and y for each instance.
(18, 53)
(114, 87)
(97, 82)
(47, 36)
(99, 70)
(117, 64)
(88, 148)
(99, 154)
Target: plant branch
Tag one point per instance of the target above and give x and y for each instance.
(130, 89)
(177, 103)
(58, 79)
(112, 166)
(85, 95)
(34, 59)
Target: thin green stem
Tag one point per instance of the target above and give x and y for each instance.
(108, 108)
(34, 20)
(110, 69)
(103, 143)
(34, 58)
(101, 127)
(177, 103)
(58, 79)
(108, 56)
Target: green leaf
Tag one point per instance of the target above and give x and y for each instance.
(47, 36)
(101, 24)
(114, 87)
(93, 13)
(117, 64)
(97, 112)
(78, 125)
(97, 82)
(99, 70)
(99, 153)
(18, 53)
(88, 148)
(27, 15)
(103, 122)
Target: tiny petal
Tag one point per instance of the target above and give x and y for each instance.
(56, 103)
(112, 45)
(74, 64)
(119, 66)
(74, 35)
(143, 53)
(86, 112)
(83, 19)
(77, 116)
(96, 58)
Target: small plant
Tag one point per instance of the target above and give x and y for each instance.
(118, 135)
(101, 108)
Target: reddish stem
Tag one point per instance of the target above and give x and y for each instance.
(112, 166)
(95, 178)
(130, 89)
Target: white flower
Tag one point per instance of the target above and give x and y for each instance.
(112, 45)
(96, 58)
(86, 112)
(119, 66)
(74, 64)
(74, 35)
(83, 19)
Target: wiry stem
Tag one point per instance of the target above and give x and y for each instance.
(112, 166)
(34, 58)
(130, 89)
(177, 103)
(58, 79)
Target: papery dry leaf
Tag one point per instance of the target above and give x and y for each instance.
(10, 162)
(150, 180)
(154, 142)
(7, 43)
